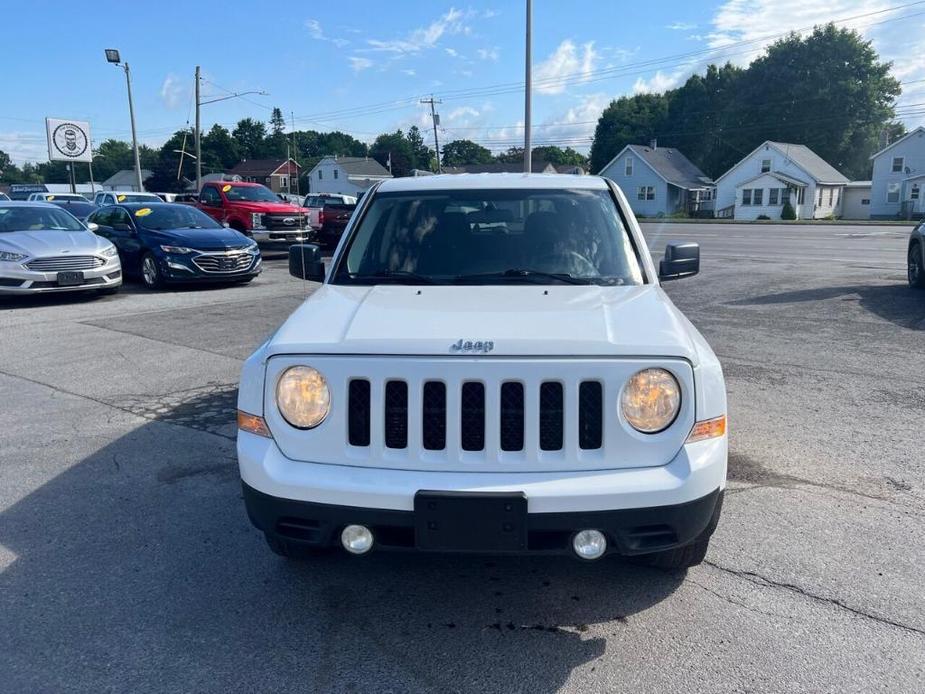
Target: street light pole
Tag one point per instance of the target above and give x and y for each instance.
(198, 150)
(528, 154)
(112, 56)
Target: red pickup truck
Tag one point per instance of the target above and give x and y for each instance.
(254, 210)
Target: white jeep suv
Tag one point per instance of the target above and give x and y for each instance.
(490, 365)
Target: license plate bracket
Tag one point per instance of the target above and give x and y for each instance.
(470, 521)
(70, 279)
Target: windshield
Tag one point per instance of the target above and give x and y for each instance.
(251, 194)
(166, 216)
(136, 197)
(491, 237)
(65, 196)
(37, 219)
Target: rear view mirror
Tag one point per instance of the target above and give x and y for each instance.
(681, 260)
(93, 226)
(305, 262)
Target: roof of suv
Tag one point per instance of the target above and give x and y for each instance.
(491, 181)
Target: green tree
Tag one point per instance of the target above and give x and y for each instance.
(9, 172)
(219, 150)
(513, 155)
(559, 157)
(250, 136)
(462, 152)
(398, 147)
(628, 120)
(422, 155)
(276, 144)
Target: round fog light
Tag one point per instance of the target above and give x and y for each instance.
(589, 544)
(357, 539)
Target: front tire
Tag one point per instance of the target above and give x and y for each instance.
(916, 271)
(108, 291)
(292, 550)
(690, 554)
(150, 272)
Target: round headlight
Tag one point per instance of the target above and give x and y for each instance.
(651, 400)
(303, 397)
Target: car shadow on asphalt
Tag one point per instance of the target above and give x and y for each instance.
(896, 303)
(136, 569)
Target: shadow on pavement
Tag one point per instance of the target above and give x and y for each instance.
(136, 569)
(896, 303)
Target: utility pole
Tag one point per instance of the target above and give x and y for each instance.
(198, 147)
(436, 119)
(295, 155)
(70, 171)
(528, 84)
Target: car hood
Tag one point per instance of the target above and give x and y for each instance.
(201, 239)
(48, 243)
(266, 207)
(533, 320)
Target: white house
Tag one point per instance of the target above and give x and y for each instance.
(346, 175)
(899, 177)
(659, 181)
(775, 173)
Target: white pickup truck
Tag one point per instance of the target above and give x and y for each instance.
(490, 365)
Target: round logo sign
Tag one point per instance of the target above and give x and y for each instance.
(70, 140)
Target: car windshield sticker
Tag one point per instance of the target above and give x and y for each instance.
(143, 212)
(50, 197)
(120, 198)
(226, 188)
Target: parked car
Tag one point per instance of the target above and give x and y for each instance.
(916, 257)
(187, 198)
(511, 379)
(80, 209)
(114, 197)
(43, 249)
(4, 196)
(49, 197)
(316, 203)
(253, 210)
(334, 219)
(292, 198)
(168, 243)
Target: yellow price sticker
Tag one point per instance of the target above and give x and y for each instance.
(143, 212)
(120, 198)
(226, 188)
(50, 197)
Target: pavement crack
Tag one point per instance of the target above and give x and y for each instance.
(765, 582)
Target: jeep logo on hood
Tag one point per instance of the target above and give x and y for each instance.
(483, 346)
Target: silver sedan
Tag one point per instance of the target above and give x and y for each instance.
(43, 249)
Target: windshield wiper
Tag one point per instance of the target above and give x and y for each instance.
(391, 275)
(524, 274)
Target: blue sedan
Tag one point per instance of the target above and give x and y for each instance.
(171, 243)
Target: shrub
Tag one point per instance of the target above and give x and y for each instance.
(788, 212)
(763, 216)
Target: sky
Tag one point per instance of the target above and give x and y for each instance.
(363, 67)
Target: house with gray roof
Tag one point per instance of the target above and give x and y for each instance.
(660, 181)
(125, 180)
(899, 178)
(775, 173)
(346, 175)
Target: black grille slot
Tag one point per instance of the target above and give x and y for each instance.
(590, 415)
(434, 416)
(358, 413)
(472, 417)
(512, 417)
(551, 416)
(396, 414)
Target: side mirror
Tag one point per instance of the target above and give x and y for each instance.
(93, 226)
(226, 225)
(681, 260)
(305, 262)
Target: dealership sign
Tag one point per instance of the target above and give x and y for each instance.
(68, 140)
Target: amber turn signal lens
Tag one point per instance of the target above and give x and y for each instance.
(253, 424)
(708, 429)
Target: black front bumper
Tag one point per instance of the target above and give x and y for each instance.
(629, 531)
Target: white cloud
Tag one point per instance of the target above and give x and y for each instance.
(452, 52)
(488, 54)
(358, 64)
(317, 33)
(23, 146)
(681, 26)
(409, 72)
(453, 22)
(566, 63)
(462, 112)
(172, 91)
(575, 127)
(659, 82)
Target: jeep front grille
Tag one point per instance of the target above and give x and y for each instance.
(511, 425)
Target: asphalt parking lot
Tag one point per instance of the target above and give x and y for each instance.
(127, 562)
